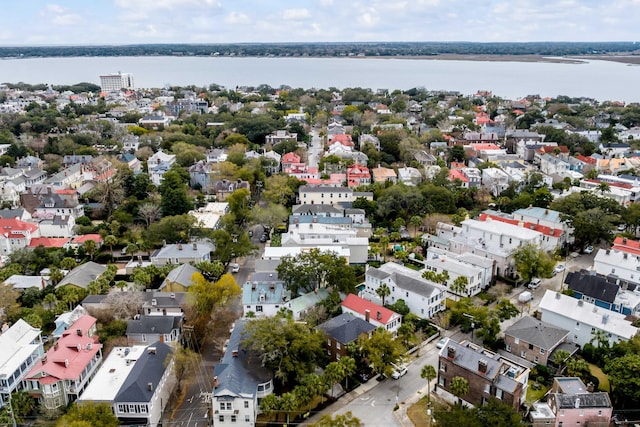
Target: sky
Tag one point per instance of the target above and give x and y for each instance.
(100, 22)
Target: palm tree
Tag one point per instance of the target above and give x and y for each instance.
(416, 221)
(55, 274)
(384, 243)
(349, 368)
(459, 285)
(603, 187)
(50, 300)
(459, 387)
(560, 358)
(90, 247)
(383, 291)
(333, 373)
(288, 404)
(110, 240)
(131, 249)
(428, 373)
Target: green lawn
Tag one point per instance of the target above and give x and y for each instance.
(534, 395)
(604, 379)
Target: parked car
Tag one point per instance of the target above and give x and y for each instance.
(250, 233)
(264, 237)
(398, 371)
(235, 268)
(588, 250)
(442, 343)
(534, 283)
(621, 227)
(525, 297)
(123, 251)
(559, 269)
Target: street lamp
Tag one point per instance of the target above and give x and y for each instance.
(429, 413)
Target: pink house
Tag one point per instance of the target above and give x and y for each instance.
(358, 175)
(66, 369)
(289, 159)
(571, 403)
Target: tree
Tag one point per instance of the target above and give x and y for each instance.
(315, 269)
(428, 372)
(270, 215)
(381, 350)
(23, 405)
(623, 377)
(173, 190)
(532, 262)
(459, 285)
(459, 387)
(289, 349)
(93, 414)
(110, 240)
(8, 302)
(209, 295)
(560, 358)
(416, 221)
(184, 362)
(149, 212)
(383, 291)
(90, 247)
(171, 229)
(131, 249)
(341, 420)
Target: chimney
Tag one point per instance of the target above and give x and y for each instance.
(367, 315)
(173, 295)
(195, 246)
(451, 352)
(378, 316)
(79, 332)
(624, 240)
(150, 386)
(234, 353)
(215, 382)
(482, 366)
(577, 404)
(590, 387)
(557, 295)
(179, 246)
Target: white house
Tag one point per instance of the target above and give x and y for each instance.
(495, 180)
(21, 346)
(441, 263)
(136, 382)
(377, 315)
(583, 319)
(423, 297)
(622, 260)
(337, 235)
(264, 295)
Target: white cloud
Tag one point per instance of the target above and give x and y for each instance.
(67, 19)
(55, 8)
(326, 3)
(237, 18)
(296, 14)
(166, 4)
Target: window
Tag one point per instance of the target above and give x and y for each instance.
(542, 351)
(225, 406)
(578, 325)
(329, 342)
(221, 418)
(259, 308)
(442, 382)
(523, 354)
(246, 404)
(233, 418)
(338, 345)
(498, 394)
(487, 388)
(508, 348)
(516, 340)
(443, 367)
(530, 346)
(535, 359)
(247, 419)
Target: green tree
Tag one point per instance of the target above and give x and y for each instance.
(341, 420)
(416, 221)
(532, 262)
(383, 291)
(131, 249)
(289, 349)
(381, 350)
(459, 285)
(110, 240)
(428, 372)
(313, 268)
(623, 378)
(9, 305)
(90, 247)
(94, 414)
(560, 358)
(173, 189)
(270, 215)
(459, 387)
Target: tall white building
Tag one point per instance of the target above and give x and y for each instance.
(116, 82)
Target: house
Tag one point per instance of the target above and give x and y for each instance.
(440, 263)
(179, 279)
(43, 202)
(71, 177)
(264, 294)
(343, 330)
(370, 312)
(495, 180)
(136, 382)
(158, 303)
(545, 217)
(571, 403)
(534, 340)
(584, 320)
(224, 188)
(336, 232)
(61, 226)
(409, 176)
(21, 282)
(489, 375)
(22, 348)
(158, 165)
(83, 275)
(325, 195)
(66, 369)
(382, 175)
(16, 234)
(301, 305)
(79, 241)
(208, 216)
(150, 329)
(155, 122)
(605, 292)
(278, 136)
(551, 238)
(423, 297)
(182, 253)
(66, 319)
(239, 384)
(288, 160)
(484, 265)
(622, 260)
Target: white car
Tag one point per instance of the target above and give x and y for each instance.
(588, 250)
(534, 283)
(442, 343)
(235, 268)
(559, 269)
(398, 371)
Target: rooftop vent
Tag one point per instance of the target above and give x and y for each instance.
(151, 350)
(234, 353)
(79, 332)
(378, 316)
(451, 352)
(482, 366)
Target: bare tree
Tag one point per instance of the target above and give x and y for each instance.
(124, 305)
(150, 212)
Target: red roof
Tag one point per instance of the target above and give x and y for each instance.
(15, 226)
(551, 149)
(360, 305)
(457, 165)
(290, 157)
(626, 245)
(547, 231)
(66, 191)
(70, 355)
(457, 174)
(81, 239)
(48, 242)
(590, 160)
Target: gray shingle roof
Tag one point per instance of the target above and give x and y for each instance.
(540, 334)
(180, 275)
(153, 325)
(346, 328)
(240, 374)
(592, 286)
(82, 275)
(149, 369)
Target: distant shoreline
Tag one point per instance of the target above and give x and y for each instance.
(570, 59)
